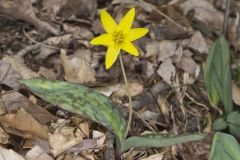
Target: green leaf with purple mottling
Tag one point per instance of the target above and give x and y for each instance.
(81, 100)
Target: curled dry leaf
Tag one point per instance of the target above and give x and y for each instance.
(47, 73)
(120, 90)
(64, 138)
(9, 154)
(205, 12)
(26, 123)
(55, 41)
(198, 43)
(36, 153)
(71, 8)
(77, 70)
(13, 101)
(8, 75)
(3, 137)
(167, 71)
(236, 93)
(187, 64)
(23, 9)
(166, 50)
(101, 137)
(158, 156)
(18, 65)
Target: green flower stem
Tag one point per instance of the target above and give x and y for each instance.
(129, 97)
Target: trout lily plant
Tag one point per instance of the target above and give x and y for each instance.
(89, 103)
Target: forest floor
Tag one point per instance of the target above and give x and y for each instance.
(51, 39)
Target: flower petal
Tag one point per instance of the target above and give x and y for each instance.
(130, 48)
(136, 33)
(107, 21)
(126, 23)
(104, 39)
(111, 56)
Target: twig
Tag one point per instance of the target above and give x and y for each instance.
(226, 18)
(39, 43)
(129, 97)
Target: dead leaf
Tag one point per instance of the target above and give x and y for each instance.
(8, 75)
(77, 70)
(47, 73)
(152, 49)
(135, 89)
(198, 43)
(120, 90)
(9, 154)
(22, 9)
(205, 12)
(55, 41)
(101, 137)
(235, 93)
(78, 32)
(3, 136)
(25, 122)
(166, 49)
(167, 71)
(158, 156)
(14, 101)
(18, 65)
(64, 138)
(187, 64)
(71, 8)
(36, 153)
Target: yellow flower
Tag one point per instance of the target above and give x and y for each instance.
(118, 36)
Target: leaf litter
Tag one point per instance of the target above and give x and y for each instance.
(166, 79)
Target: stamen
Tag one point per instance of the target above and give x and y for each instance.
(118, 37)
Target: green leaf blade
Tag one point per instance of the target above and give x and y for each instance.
(80, 100)
(224, 146)
(217, 75)
(158, 140)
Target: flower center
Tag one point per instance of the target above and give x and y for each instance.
(118, 37)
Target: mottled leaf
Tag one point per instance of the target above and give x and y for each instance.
(80, 100)
(158, 140)
(224, 147)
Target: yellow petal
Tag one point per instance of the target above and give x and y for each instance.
(107, 21)
(104, 39)
(136, 33)
(111, 56)
(127, 21)
(130, 48)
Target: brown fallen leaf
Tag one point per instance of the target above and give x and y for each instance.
(158, 156)
(13, 101)
(47, 73)
(20, 67)
(64, 138)
(36, 153)
(235, 93)
(23, 9)
(8, 75)
(198, 43)
(187, 64)
(3, 136)
(205, 12)
(77, 70)
(167, 71)
(120, 90)
(71, 8)
(9, 154)
(26, 123)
